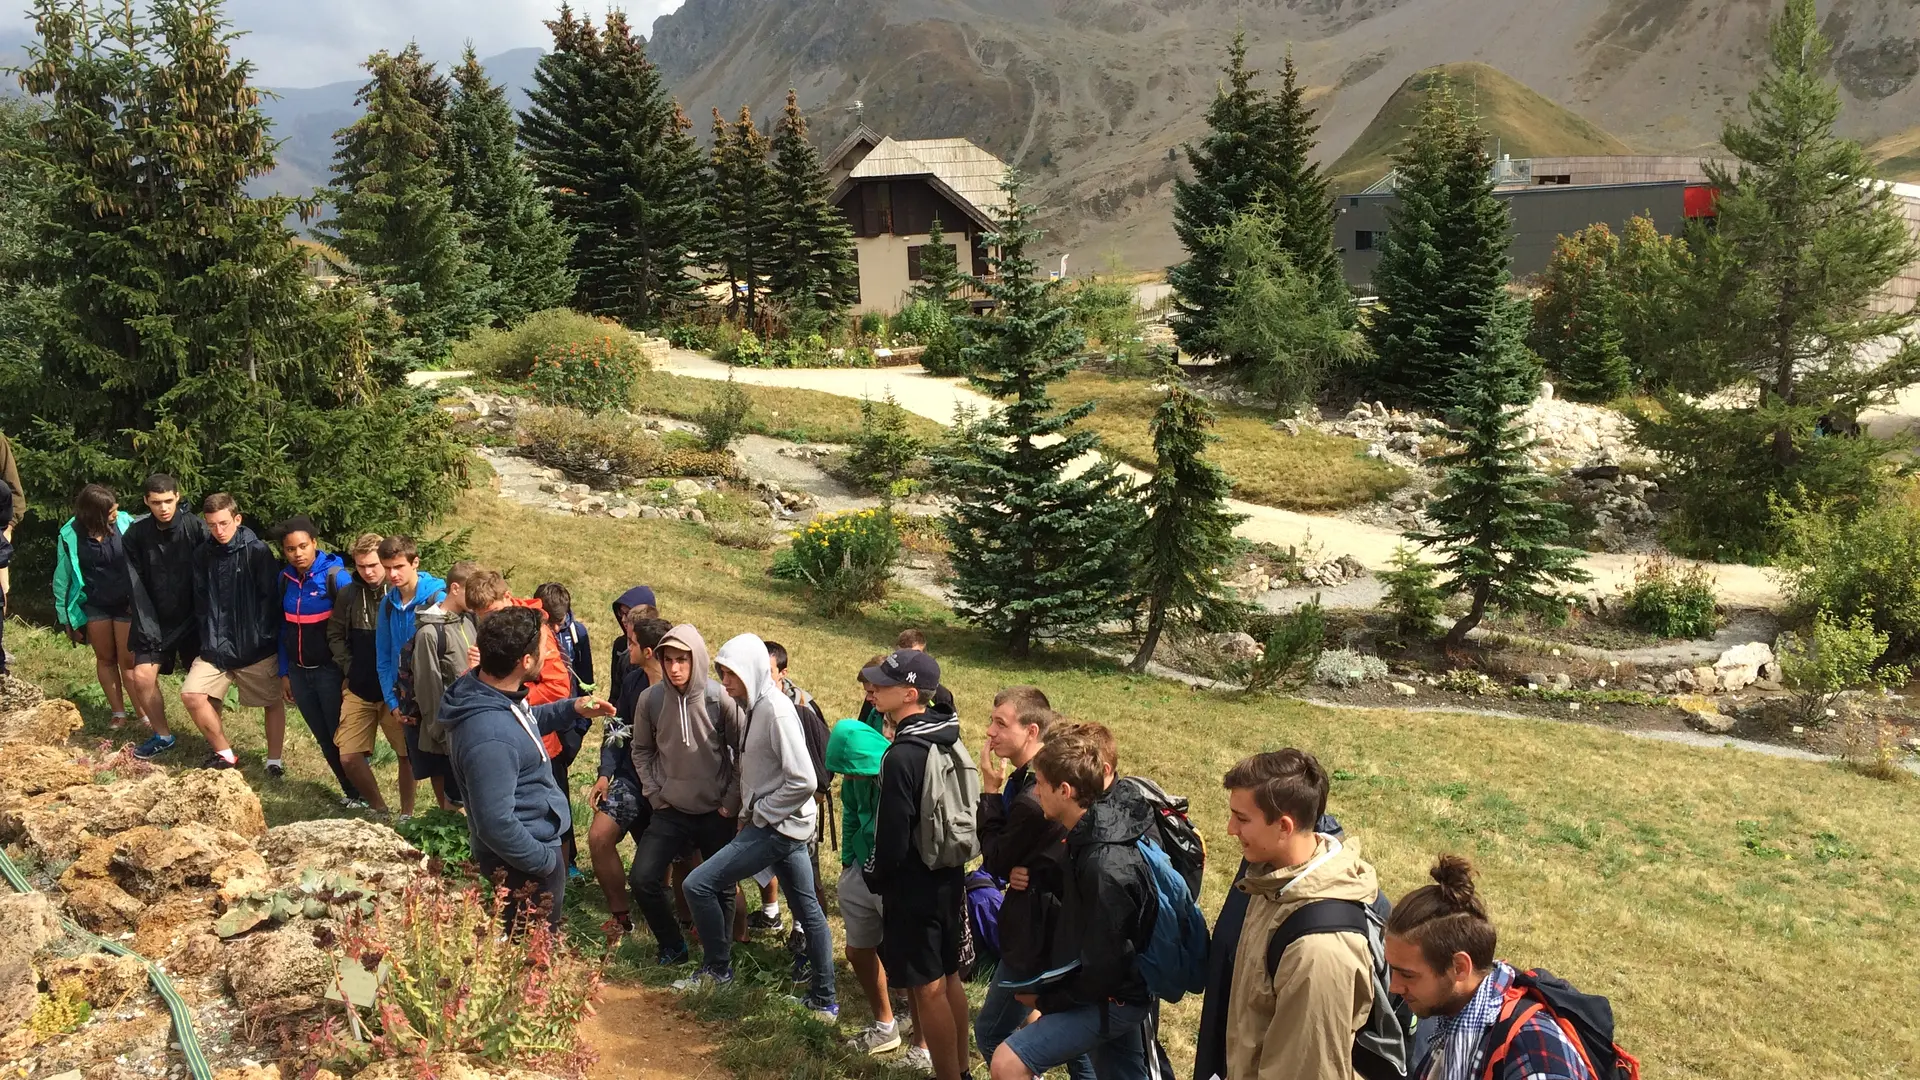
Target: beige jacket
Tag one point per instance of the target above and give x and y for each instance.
(1300, 1024)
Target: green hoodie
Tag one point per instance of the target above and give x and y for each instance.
(854, 751)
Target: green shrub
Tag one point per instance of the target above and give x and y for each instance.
(698, 337)
(873, 326)
(1413, 594)
(593, 377)
(440, 834)
(725, 419)
(1835, 657)
(847, 558)
(1670, 601)
(1108, 313)
(510, 354)
(1870, 563)
(920, 320)
(1292, 649)
(946, 354)
(884, 450)
(584, 446)
(745, 350)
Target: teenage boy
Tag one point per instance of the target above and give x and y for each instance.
(515, 811)
(916, 641)
(778, 816)
(1440, 950)
(619, 810)
(443, 635)
(1103, 1008)
(236, 602)
(1021, 846)
(17, 500)
(813, 725)
(309, 678)
(164, 637)
(686, 732)
(922, 910)
(1301, 1021)
(409, 592)
(352, 632)
(637, 603)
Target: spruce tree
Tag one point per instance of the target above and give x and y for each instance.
(1501, 540)
(394, 220)
(1784, 309)
(816, 270)
(614, 155)
(183, 333)
(1188, 536)
(745, 202)
(1595, 367)
(1443, 263)
(941, 281)
(1039, 551)
(1300, 193)
(508, 226)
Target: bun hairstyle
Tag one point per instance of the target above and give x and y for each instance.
(1447, 917)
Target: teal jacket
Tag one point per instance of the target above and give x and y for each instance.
(69, 589)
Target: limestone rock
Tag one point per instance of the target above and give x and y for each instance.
(1703, 714)
(105, 980)
(368, 850)
(686, 490)
(199, 954)
(249, 1072)
(1740, 666)
(242, 874)
(150, 862)
(31, 769)
(216, 797)
(1705, 679)
(1401, 689)
(102, 906)
(18, 986)
(30, 922)
(47, 724)
(115, 807)
(272, 967)
(1237, 646)
(17, 694)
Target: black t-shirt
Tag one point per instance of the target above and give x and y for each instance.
(363, 677)
(103, 567)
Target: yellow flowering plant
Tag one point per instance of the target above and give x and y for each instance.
(846, 558)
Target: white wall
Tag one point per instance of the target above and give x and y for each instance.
(884, 283)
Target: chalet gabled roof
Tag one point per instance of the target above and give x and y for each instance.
(860, 134)
(963, 172)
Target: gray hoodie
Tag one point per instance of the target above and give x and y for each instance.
(685, 746)
(776, 775)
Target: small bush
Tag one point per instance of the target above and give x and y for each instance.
(691, 461)
(846, 558)
(61, 1012)
(1292, 649)
(921, 320)
(873, 326)
(884, 450)
(1344, 668)
(1833, 658)
(510, 354)
(698, 337)
(594, 377)
(1670, 601)
(749, 535)
(588, 447)
(1870, 563)
(745, 350)
(440, 834)
(1413, 595)
(724, 420)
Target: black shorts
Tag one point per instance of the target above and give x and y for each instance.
(922, 927)
(177, 657)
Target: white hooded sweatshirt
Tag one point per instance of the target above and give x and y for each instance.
(776, 775)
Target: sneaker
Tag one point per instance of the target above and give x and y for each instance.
(826, 1014)
(673, 957)
(153, 747)
(709, 979)
(802, 969)
(574, 873)
(760, 920)
(919, 1059)
(215, 761)
(276, 770)
(875, 1039)
(348, 802)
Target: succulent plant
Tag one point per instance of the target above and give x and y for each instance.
(316, 896)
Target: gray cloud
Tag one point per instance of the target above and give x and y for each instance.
(310, 42)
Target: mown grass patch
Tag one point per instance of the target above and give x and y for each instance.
(796, 415)
(1309, 471)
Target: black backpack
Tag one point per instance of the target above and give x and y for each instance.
(1382, 1049)
(1173, 831)
(1586, 1019)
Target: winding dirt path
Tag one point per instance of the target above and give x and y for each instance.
(641, 1034)
(936, 398)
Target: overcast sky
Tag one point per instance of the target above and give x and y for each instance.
(310, 42)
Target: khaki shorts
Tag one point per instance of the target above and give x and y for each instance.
(358, 718)
(259, 684)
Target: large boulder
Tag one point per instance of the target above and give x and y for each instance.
(216, 797)
(105, 980)
(31, 769)
(30, 922)
(101, 905)
(1740, 666)
(150, 862)
(46, 724)
(282, 970)
(367, 850)
(18, 694)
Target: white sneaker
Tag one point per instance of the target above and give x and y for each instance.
(876, 1039)
(919, 1059)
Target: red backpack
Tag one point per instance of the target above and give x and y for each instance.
(1586, 1019)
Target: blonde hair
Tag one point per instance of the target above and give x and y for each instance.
(367, 544)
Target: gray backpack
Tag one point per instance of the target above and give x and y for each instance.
(1382, 1050)
(947, 834)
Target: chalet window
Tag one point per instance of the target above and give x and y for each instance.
(876, 209)
(980, 267)
(913, 262)
(1362, 240)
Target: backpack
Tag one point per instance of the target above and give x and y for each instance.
(1174, 963)
(407, 704)
(1174, 831)
(1587, 1020)
(946, 834)
(983, 924)
(1382, 1049)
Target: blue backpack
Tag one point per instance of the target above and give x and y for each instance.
(1174, 963)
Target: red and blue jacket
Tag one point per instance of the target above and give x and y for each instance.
(306, 600)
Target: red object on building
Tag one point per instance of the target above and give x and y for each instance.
(1699, 200)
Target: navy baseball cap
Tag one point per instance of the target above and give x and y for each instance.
(905, 667)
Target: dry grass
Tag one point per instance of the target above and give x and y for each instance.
(798, 415)
(1309, 471)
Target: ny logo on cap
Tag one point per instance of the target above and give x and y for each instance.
(912, 677)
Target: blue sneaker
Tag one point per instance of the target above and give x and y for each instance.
(574, 873)
(705, 979)
(828, 1014)
(153, 747)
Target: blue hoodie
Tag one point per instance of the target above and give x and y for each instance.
(395, 628)
(306, 602)
(515, 808)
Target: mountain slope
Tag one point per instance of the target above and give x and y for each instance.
(1523, 123)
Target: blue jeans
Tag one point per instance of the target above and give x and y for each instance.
(316, 693)
(1123, 1047)
(752, 850)
(1000, 1016)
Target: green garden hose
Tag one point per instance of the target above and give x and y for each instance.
(176, 1006)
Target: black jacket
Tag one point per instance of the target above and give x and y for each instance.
(1014, 831)
(896, 862)
(236, 600)
(160, 561)
(1109, 907)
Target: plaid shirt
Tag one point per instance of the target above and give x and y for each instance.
(1539, 1051)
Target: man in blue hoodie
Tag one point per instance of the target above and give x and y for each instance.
(308, 676)
(516, 811)
(409, 592)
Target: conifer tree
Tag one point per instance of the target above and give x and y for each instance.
(1443, 263)
(816, 269)
(508, 226)
(1288, 333)
(745, 204)
(394, 220)
(1300, 192)
(1038, 551)
(614, 155)
(1595, 367)
(1502, 541)
(1783, 305)
(941, 281)
(1188, 536)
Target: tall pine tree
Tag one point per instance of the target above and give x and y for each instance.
(1443, 263)
(1501, 540)
(1188, 536)
(394, 220)
(1038, 551)
(745, 201)
(508, 227)
(1784, 304)
(614, 154)
(816, 270)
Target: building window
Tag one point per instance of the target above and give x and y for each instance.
(1363, 240)
(1556, 178)
(913, 262)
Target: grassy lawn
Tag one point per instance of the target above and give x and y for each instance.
(798, 415)
(1308, 471)
(1747, 915)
